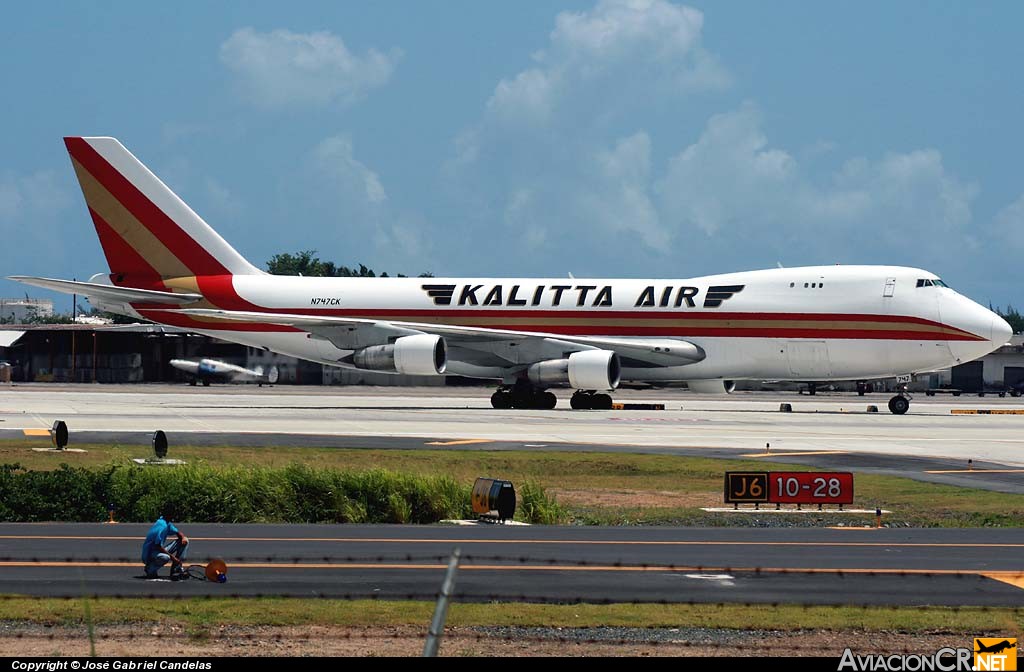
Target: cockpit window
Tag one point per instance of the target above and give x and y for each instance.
(940, 283)
(926, 282)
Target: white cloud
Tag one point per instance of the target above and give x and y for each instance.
(10, 199)
(1009, 223)
(221, 200)
(572, 156)
(616, 198)
(282, 68)
(31, 196)
(353, 218)
(606, 52)
(732, 185)
(616, 30)
(334, 157)
(732, 155)
(32, 209)
(559, 154)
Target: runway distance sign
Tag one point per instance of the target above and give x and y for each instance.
(788, 487)
(810, 487)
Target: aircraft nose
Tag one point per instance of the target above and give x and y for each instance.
(989, 331)
(1001, 330)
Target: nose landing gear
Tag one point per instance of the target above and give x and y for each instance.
(899, 404)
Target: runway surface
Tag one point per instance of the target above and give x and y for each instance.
(802, 566)
(825, 431)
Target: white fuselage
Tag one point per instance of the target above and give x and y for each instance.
(811, 323)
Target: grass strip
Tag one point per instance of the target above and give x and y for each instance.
(201, 612)
(590, 488)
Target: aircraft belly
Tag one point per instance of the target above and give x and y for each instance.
(727, 358)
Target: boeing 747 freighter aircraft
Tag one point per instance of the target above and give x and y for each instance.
(817, 323)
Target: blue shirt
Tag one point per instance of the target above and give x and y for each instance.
(157, 537)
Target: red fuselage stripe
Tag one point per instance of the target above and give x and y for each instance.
(625, 328)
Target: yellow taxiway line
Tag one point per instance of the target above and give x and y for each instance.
(798, 452)
(977, 471)
(460, 442)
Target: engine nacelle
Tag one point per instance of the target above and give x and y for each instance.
(712, 386)
(587, 370)
(422, 355)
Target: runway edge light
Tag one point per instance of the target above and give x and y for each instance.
(159, 458)
(59, 434)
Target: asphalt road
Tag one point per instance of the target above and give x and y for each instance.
(952, 567)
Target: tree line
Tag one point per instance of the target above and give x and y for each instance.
(308, 264)
(1014, 318)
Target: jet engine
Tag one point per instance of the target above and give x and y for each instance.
(586, 370)
(712, 386)
(422, 354)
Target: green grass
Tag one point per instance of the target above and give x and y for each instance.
(568, 473)
(196, 613)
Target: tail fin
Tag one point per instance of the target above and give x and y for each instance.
(146, 231)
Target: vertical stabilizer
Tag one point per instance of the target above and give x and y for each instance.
(146, 231)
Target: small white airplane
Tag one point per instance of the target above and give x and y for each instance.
(819, 323)
(206, 371)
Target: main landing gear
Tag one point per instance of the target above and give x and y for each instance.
(588, 399)
(523, 396)
(899, 404)
(527, 396)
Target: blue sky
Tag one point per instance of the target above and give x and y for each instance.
(636, 138)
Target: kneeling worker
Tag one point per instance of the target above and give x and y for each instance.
(157, 551)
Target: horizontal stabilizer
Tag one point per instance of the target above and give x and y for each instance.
(109, 293)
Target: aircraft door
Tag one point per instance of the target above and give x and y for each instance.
(890, 287)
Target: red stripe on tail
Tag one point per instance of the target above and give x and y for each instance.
(180, 244)
(132, 269)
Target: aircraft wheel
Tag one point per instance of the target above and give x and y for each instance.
(899, 405)
(547, 400)
(192, 383)
(523, 400)
(501, 399)
(581, 402)
(602, 402)
(206, 383)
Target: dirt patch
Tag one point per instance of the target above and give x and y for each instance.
(626, 498)
(19, 639)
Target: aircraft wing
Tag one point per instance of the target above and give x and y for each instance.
(510, 346)
(108, 292)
